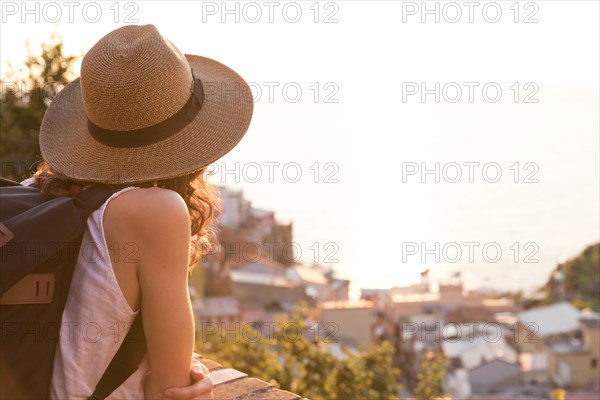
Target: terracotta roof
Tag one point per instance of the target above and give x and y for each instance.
(231, 384)
(470, 314)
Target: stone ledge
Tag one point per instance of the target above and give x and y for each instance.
(231, 384)
(210, 364)
(273, 394)
(240, 388)
(220, 376)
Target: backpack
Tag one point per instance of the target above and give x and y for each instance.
(40, 240)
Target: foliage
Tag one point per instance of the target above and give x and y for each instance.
(431, 376)
(26, 95)
(580, 280)
(529, 300)
(240, 351)
(297, 362)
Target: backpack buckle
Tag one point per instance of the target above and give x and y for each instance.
(5, 234)
(35, 288)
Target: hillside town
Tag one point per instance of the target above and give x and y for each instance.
(493, 347)
(410, 137)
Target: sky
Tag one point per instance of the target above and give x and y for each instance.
(338, 90)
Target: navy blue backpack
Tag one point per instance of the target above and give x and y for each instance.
(40, 240)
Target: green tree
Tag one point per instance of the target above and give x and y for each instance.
(300, 364)
(248, 351)
(577, 280)
(348, 379)
(26, 95)
(430, 378)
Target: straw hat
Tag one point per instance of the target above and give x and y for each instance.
(143, 111)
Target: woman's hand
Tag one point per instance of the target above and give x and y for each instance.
(200, 389)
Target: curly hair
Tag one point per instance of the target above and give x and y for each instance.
(202, 199)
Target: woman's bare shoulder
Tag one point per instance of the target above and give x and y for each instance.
(148, 209)
(141, 201)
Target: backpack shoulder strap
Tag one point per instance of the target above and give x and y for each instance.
(124, 363)
(94, 196)
(8, 182)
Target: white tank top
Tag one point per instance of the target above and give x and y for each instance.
(94, 323)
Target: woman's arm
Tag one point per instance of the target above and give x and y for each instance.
(163, 228)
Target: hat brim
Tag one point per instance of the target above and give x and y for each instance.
(69, 149)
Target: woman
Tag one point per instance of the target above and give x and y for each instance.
(149, 119)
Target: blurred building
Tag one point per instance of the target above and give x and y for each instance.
(320, 284)
(482, 365)
(541, 323)
(349, 322)
(567, 339)
(266, 284)
(250, 233)
(219, 309)
(449, 300)
(573, 361)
